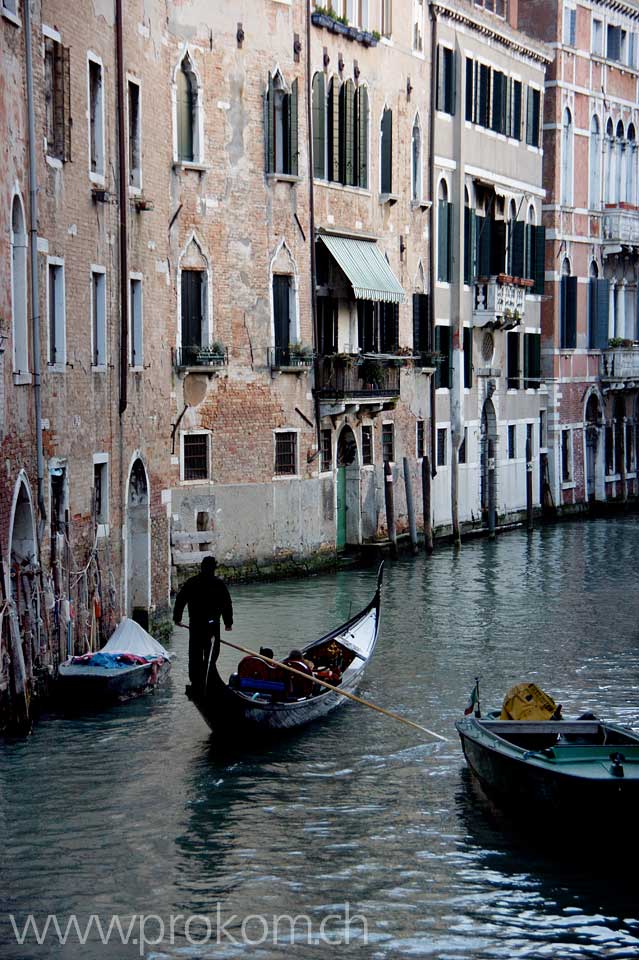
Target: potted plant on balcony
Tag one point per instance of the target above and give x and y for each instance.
(300, 354)
(212, 355)
(372, 373)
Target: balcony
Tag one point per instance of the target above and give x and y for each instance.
(500, 301)
(291, 359)
(202, 358)
(357, 379)
(619, 367)
(621, 225)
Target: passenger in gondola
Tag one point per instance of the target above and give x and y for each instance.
(296, 657)
(208, 601)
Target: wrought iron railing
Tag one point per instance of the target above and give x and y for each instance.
(200, 357)
(351, 376)
(285, 357)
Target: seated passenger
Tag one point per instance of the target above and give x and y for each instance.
(266, 652)
(296, 656)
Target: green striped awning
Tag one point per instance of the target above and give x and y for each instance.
(366, 267)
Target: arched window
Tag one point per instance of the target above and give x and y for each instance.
(282, 149)
(444, 234)
(319, 126)
(19, 289)
(609, 171)
(285, 324)
(386, 151)
(347, 133)
(195, 332)
(594, 164)
(567, 145)
(620, 171)
(332, 130)
(568, 308)
(631, 166)
(187, 107)
(416, 162)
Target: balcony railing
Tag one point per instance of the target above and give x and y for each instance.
(499, 301)
(619, 363)
(200, 357)
(357, 377)
(621, 226)
(287, 358)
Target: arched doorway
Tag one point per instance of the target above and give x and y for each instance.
(348, 495)
(594, 460)
(138, 544)
(23, 557)
(488, 452)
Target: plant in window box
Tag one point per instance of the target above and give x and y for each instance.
(372, 372)
(504, 278)
(615, 342)
(300, 354)
(212, 355)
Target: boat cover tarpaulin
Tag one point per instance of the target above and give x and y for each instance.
(130, 637)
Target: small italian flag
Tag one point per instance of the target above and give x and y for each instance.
(473, 700)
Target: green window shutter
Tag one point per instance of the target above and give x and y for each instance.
(293, 135)
(497, 247)
(269, 123)
(387, 151)
(361, 121)
(468, 245)
(529, 115)
(539, 259)
(442, 240)
(470, 89)
(319, 126)
(484, 93)
(440, 93)
(603, 308)
(498, 78)
(449, 253)
(516, 110)
(483, 246)
(468, 357)
(333, 131)
(421, 326)
(532, 360)
(451, 82)
(536, 116)
(514, 371)
(527, 358)
(592, 313)
(349, 133)
(518, 247)
(568, 306)
(443, 344)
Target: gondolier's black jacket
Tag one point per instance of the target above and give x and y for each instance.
(207, 598)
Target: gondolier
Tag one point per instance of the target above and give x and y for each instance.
(208, 600)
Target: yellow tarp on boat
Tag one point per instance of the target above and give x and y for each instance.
(526, 701)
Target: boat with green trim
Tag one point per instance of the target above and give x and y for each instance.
(569, 771)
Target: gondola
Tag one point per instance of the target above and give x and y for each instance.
(251, 704)
(560, 774)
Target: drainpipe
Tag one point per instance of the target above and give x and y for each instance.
(122, 202)
(431, 251)
(311, 216)
(457, 304)
(33, 257)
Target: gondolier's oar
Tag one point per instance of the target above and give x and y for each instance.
(329, 686)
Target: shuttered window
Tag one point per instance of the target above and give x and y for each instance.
(532, 360)
(599, 306)
(386, 151)
(483, 96)
(282, 315)
(483, 230)
(497, 247)
(332, 123)
(568, 309)
(518, 249)
(319, 126)
(469, 245)
(282, 134)
(445, 80)
(468, 357)
(388, 443)
(470, 89)
(389, 327)
(444, 241)
(421, 324)
(192, 300)
(515, 114)
(514, 369)
(57, 99)
(613, 46)
(347, 133)
(361, 134)
(443, 347)
(539, 259)
(533, 106)
(500, 87)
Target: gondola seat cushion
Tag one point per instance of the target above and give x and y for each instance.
(254, 675)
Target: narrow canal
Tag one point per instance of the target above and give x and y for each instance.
(136, 811)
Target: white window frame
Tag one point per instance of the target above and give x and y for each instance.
(569, 11)
(391, 424)
(192, 433)
(102, 525)
(19, 288)
(593, 42)
(287, 476)
(12, 15)
(371, 427)
(59, 365)
(198, 162)
(567, 158)
(322, 471)
(135, 189)
(97, 176)
(100, 367)
(136, 278)
(570, 481)
(511, 431)
(445, 462)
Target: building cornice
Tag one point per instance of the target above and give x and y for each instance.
(619, 6)
(490, 26)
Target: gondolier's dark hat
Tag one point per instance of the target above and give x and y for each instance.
(208, 565)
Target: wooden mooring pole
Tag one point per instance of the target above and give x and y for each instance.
(426, 499)
(390, 507)
(529, 485)
(410, 506)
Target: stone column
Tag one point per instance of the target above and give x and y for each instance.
(611, 308)
(620, 318)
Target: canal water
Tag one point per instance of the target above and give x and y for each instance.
(136, 812)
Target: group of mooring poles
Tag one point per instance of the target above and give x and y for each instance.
(389, 498)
